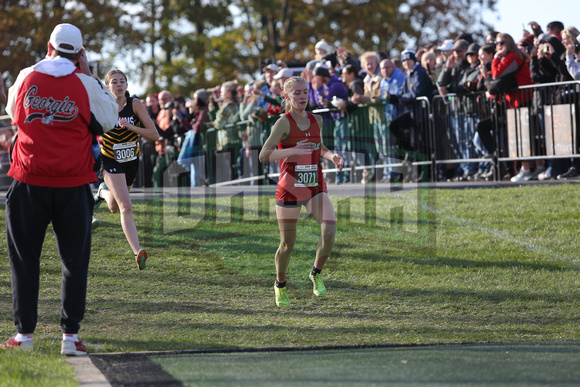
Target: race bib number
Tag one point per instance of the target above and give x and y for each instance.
(125, 152)
(306, 175)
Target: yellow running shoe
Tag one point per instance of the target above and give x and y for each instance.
(281, 296)
(318, 286)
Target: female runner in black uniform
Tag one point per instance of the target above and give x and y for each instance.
(120, 156)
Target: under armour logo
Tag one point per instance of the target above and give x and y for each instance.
(307, 134)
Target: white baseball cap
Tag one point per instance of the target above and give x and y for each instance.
(446, 45)
(271, 67)
(284, 73)
(66, 38)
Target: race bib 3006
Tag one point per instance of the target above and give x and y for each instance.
(125, 152)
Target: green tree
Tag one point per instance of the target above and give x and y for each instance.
(183, 45)
(25, 27)
(289, 30)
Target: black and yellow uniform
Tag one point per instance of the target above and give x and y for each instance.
(120, 146)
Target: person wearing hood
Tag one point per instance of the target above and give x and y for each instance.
(58, 107)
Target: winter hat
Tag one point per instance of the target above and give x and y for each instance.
(322, 45)
(528, 41)
(408, 54)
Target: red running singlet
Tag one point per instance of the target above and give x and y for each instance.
(301, 176)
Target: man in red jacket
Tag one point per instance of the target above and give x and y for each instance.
(58, 107)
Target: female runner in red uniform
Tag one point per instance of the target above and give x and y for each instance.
(296, 143)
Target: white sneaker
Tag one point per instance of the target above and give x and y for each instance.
(545, 176)
(73, 348)
(522, 176)
(367, 176)
(538, 172)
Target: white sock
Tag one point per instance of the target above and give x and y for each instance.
(20, 337)
(70, 336)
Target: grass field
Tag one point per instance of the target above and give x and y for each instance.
(412, 267)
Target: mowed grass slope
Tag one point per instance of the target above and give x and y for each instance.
(412, 267)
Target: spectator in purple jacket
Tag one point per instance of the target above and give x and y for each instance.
(330, 95)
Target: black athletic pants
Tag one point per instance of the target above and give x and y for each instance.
(29, 210)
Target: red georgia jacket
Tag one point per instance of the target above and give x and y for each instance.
(57, 109)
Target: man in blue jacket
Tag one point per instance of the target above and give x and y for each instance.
(410, 129)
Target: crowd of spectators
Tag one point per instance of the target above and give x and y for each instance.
(341, 82)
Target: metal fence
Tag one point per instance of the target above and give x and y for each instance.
(423, 141)
(6, 133)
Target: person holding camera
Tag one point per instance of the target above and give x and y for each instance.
(571, 39)
(58, 107)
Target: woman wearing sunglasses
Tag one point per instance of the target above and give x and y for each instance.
(508, 59)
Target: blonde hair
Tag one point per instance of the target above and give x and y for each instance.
(572, 31)
(369, 55)
(426, 56)
(288, 87)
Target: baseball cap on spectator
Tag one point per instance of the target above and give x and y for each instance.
(408, 54)
(446, 45)
(202, 95)
(321, 70)
(473, 48)
(284, 73)
(271, 67)
(66, 38)
(312, 64)
(460, 45)
(322, 45)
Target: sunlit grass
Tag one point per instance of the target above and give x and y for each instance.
(412, 266)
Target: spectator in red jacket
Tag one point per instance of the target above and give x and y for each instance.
(58, 107)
